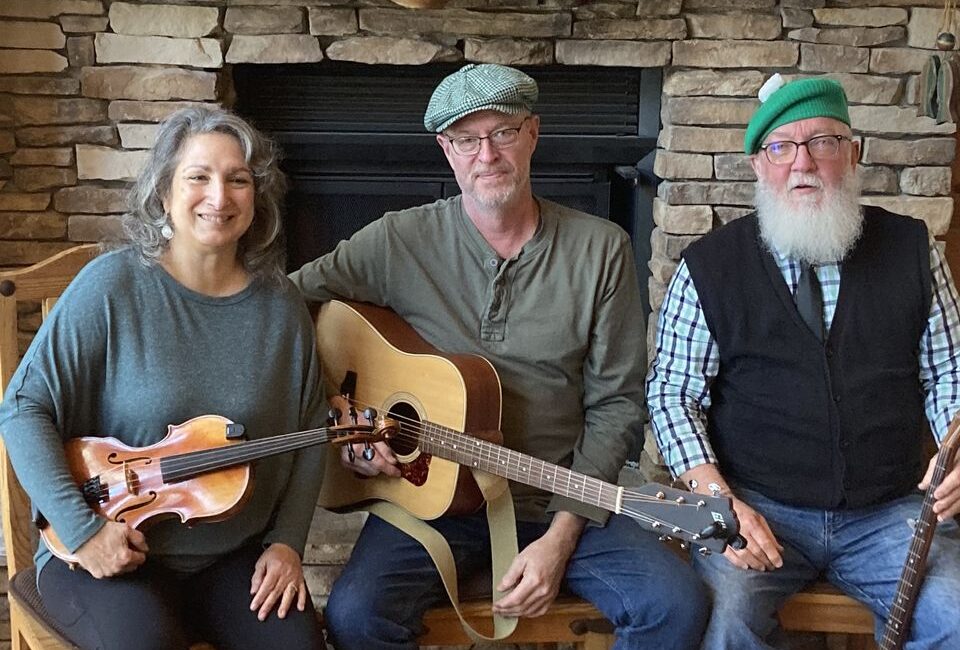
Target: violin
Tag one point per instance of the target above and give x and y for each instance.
(199, 472)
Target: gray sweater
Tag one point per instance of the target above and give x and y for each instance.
(126, 352)
(561, 322)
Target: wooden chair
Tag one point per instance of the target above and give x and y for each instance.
(30, 625)
(42, 283)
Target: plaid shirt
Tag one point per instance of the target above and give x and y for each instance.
(687, 359)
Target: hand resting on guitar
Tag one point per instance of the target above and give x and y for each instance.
(762, 551)
(354, 457)
(947, 494)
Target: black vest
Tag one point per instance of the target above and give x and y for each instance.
(828, 425)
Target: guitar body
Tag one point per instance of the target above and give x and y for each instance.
(399, 374)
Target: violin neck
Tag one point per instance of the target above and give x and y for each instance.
(181, 467)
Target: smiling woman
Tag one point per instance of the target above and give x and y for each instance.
(156, 334)
(210, 203)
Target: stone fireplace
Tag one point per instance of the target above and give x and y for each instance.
(354, 145)
(83, 84)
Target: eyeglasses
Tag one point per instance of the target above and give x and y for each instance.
(468, 145)
(822, 147)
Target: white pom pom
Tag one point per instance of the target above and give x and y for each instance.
(772, 85)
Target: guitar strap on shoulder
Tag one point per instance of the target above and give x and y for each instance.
(503, 546)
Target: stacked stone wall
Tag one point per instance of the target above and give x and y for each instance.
(83, 84)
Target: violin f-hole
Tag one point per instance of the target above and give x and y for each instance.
(121, 514)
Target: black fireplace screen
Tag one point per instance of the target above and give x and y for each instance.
(354, 145)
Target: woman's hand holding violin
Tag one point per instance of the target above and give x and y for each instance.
(278, 581)
(114, 549)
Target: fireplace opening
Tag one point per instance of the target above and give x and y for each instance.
(354, 145)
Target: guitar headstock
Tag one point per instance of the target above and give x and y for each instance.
(706, 521)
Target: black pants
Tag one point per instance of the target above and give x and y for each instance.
(155, 608)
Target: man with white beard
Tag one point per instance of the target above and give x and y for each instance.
(798, 349)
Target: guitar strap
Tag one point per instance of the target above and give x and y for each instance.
(503, 546)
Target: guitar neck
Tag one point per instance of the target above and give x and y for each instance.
(896, 629)
(504, 462)
(181, 467)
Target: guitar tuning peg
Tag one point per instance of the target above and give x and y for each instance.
(693, 484)
(712, 530)
(704, 551)
(680, 500)
(353, 415)
(370, 414)
(663, 538)
(684, 546)
(368, 452)
(333, 416)
(351, 456)
(715, 489)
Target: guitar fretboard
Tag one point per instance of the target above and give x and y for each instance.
(495, 459)
(901, 611)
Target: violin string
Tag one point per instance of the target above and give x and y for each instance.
(204, 459)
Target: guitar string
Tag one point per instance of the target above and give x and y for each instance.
(486, 448)
(917, 554)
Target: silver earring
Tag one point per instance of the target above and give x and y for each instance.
(167, 230)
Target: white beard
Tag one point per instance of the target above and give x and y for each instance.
(812, 231)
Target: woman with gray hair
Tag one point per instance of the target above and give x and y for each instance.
(193, 317)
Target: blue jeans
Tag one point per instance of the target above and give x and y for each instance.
(861, 551)
(652, 597)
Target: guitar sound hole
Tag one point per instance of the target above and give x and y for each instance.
(406, 443)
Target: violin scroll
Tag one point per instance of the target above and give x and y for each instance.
(384, 428)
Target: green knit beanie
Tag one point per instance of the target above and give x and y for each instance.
(797, 100)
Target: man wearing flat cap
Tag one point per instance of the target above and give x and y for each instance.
(549, 296)
(798, 350)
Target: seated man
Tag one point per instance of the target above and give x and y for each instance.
(549, 295)
(796, 351)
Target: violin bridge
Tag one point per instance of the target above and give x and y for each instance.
(131, 479)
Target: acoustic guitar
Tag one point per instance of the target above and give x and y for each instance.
(446, 408)
(897, 627)
(199, 472)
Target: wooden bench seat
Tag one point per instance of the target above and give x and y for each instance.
(820, 608)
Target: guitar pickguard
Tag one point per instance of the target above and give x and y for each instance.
(416, 471)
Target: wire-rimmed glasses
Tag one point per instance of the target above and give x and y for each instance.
(468, 145)
(822, 147)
